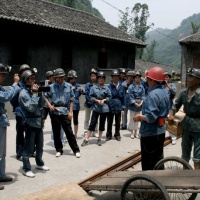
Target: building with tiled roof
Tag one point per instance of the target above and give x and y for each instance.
(190, 56)
(46, 36)
(146, 65)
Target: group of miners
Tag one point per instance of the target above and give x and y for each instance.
(149, 100)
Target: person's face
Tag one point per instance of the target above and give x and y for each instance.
(137, 79)
(2, 78)
(51, 79)
(30, 80)
(167, 78)
(150, 82)
(101, 80)
(93, 77)
(115, 79)
(192, 81)
(72, 80)
(60, 79)
(130, 78)
(122, 75)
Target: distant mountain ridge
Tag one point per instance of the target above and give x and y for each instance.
(168, 50)
(151, 35)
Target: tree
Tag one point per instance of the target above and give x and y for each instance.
(195, 27)
(124, 23)
(136, 23)
(150, 51)
(141, 14)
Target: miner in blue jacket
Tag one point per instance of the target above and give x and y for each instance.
(99, 96)
(5, 96)
(19, 118)
(31, 103)
(116, 104)
(78, 90)
(136, 94)
(88, 104)
(60, 100)
(126, 85)
(154, 111)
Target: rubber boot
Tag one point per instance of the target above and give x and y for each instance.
(197, 166)
(1, 187)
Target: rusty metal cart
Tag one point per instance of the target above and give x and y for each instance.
(173, 178)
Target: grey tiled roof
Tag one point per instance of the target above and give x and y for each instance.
(146, 65)
(43, 13)
(195, 38)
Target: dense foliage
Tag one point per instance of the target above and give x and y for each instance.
(84, 5)
(136, 23)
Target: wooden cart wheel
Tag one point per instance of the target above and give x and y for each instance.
(143, 187)
(176, 163)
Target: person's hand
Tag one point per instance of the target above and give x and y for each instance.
(140, 104)
(128, 81)
(80, 89)
(136, 105)
(34, 88)
(101, 102)
(16, 79)
(70, 115)
(137, 118)
(170, 120)
(52, 108)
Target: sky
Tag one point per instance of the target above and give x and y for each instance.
(163, 13)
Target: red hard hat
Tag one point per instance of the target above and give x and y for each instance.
(156, 74)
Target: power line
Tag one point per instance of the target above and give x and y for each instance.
(131, 17)
(113, 6)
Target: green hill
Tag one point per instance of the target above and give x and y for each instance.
(168, 50)
(151, 35)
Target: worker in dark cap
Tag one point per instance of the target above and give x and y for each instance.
(190, 99)
(122, 74)
(171, 90)
(5, 96)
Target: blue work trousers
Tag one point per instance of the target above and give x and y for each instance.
(19, 136)
(2, 152)
(33, 138)
(94, 119)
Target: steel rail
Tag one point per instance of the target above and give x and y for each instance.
(119, 166)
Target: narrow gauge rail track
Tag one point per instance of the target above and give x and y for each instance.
(119, 166)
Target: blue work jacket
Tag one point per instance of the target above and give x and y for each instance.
(88, 87)
(145, 85)
(100, 93)
(156, 104)
(60, 96)
(171, 93)
(31, 106)
(6, 95)
(77, 94)
(118, 100)
(14, 101)
(126, 86)
(136, 94)
(122, 80)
